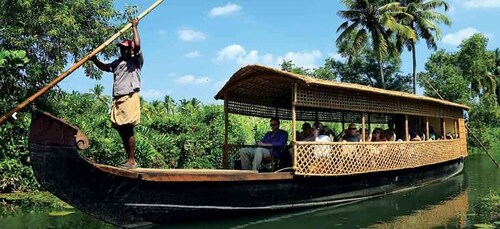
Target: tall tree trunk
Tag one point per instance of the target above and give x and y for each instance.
(380, 68)
(413, 53)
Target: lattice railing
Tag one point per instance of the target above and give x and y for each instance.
(341, 158)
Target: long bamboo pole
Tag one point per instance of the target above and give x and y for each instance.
(482, 146)
(76, 65)
(467, 127)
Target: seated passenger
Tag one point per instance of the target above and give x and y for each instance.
(377, 135)
(449, 136)
(351, 135)
(321, 133)
(306, 134)
(390, 131)
(432, 134)
(389, 135)
(271, 145)
(414, 136)
(330, 133)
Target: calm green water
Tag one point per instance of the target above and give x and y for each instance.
(454, 203)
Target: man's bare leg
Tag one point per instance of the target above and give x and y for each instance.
(127, 134)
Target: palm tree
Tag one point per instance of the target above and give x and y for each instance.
(97, 91)
(374, 18)
(169, 104)
(424, 21)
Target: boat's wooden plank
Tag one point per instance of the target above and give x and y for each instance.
(118, 171)
(192, 175)
(195, 171)
(216, 177)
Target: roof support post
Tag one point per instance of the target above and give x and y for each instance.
(294, 123)
(225, 149)
(427, 128)
(407, 131)
(443, 136)
(363, 131)
(456, 128)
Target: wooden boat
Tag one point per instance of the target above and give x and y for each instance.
(341, 173)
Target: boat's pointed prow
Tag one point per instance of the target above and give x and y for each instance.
(46, 129)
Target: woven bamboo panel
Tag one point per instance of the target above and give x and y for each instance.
(360, 101)
(303, 114)
(337, 159)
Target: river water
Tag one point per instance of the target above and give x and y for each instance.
(455, 203)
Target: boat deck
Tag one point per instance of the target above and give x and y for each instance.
(192, 175)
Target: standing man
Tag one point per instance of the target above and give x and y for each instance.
(271, 145)
(125, 111)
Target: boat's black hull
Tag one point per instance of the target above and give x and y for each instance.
(127, 201)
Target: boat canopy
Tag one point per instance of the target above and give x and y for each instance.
(262, 91)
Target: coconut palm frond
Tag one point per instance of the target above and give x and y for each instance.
(348, 31)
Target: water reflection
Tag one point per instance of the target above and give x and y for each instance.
(441, 204)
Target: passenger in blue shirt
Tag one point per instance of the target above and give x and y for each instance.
(271, 145)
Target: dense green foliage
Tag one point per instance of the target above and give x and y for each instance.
(50, 35)
(187, 133)
(491, 208)
(469, 76)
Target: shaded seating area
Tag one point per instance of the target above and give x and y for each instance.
(260, 91)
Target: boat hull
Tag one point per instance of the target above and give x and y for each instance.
(132, 201)
(131, 198)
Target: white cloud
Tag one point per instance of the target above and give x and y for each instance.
(152, 94)
(226, 10)
(192, 54)
(470, 4)
(303, 59)
(190, 79)
(191, 35)
(458, 37)
(239, 55)
(230, 52)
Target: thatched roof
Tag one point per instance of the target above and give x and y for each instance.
(265, 86)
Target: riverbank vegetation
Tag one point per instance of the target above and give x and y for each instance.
(490, 210)
(189, 134)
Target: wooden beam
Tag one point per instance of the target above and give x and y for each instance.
(443, 130)
(407, 133)
(427, 132)
(363, 131)
(294, 119)
(225, 153)
(456, 128)
(294, 123)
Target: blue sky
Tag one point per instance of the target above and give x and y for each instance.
(192, 47)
